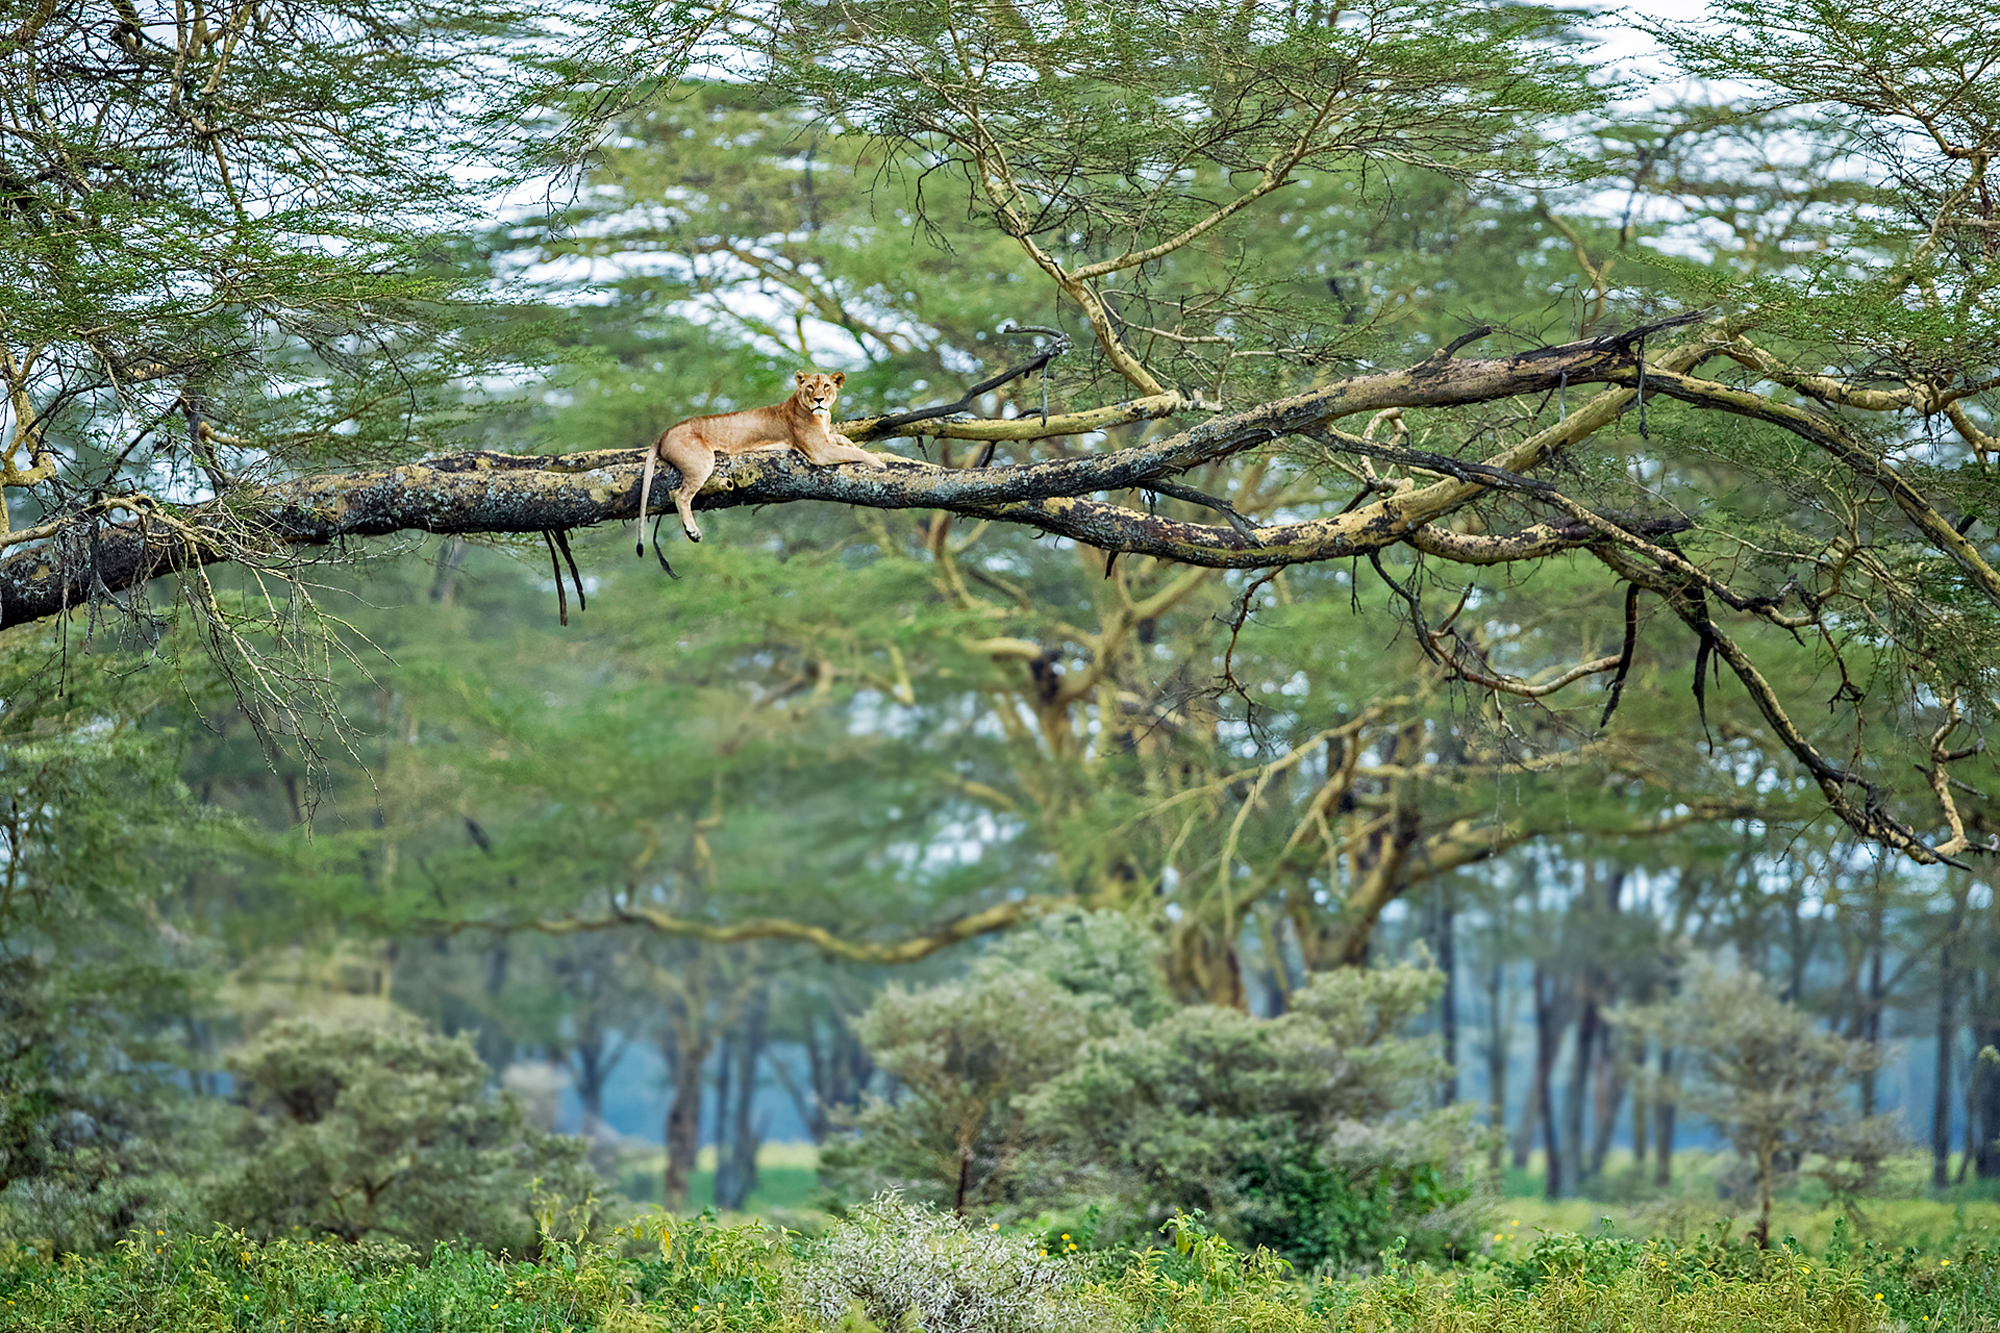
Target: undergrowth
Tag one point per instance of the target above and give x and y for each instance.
(900, 1268)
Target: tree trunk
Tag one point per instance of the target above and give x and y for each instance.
(595, 1059)
(725, 1162)
(1767, 1167)
(1986, 1085)
(1871, 1026)
(1448, 1000)
(1529, 1125)
(444, 582)
(1969, 1145)
(1663, 1122)
(837, 1069)
(1610, 1099)
(1548, 1033)
(811, 1100)
(687, 1058)
(1574, 1157)
(1640, 1108)
(739, 1134)
(1496, 1061)
(1947, 1022)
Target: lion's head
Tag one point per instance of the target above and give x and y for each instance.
(818, 391)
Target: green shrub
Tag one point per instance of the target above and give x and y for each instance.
(1306, 1133)
(389, 1132)
(1060, 1074)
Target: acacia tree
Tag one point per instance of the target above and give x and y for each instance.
(1775, 1084)
(1825, 488)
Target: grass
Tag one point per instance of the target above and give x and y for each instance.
(1628, 1204)
(669, 1275)
(787, 1178)
(1640, 1260)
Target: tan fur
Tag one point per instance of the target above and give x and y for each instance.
(803, 422)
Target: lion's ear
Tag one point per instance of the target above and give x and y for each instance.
(839, 378)
(799, 378)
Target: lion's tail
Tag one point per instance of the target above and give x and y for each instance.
(645, 491)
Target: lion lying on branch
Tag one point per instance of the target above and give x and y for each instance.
(803, 422)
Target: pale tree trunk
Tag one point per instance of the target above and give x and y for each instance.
(1610, 1099)
(737, 1130)
(1871, 1028)
(1528, 1126)
(687, 1037)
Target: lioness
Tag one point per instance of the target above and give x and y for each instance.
(803, 422)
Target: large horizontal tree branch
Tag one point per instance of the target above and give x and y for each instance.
(501, 493)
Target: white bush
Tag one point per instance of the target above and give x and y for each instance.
(909, 1266)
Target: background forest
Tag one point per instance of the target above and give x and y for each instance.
(1148, 869)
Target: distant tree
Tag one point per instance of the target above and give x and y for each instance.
(1773, 1082)
(1049, 1078)
(965, 1054)
(104, 978)
(1311, 1132)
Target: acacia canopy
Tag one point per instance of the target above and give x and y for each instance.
(244, 321)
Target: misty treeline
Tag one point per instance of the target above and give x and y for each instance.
(1402, 546)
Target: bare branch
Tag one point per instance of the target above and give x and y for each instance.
(908, 949)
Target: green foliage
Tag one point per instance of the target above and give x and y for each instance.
(389, 1132)
(697, 1277)
(194, 255)
(1044, 1080)
(1302, 1132)
(968, 1051)
(101, 979)
(1106, 959)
